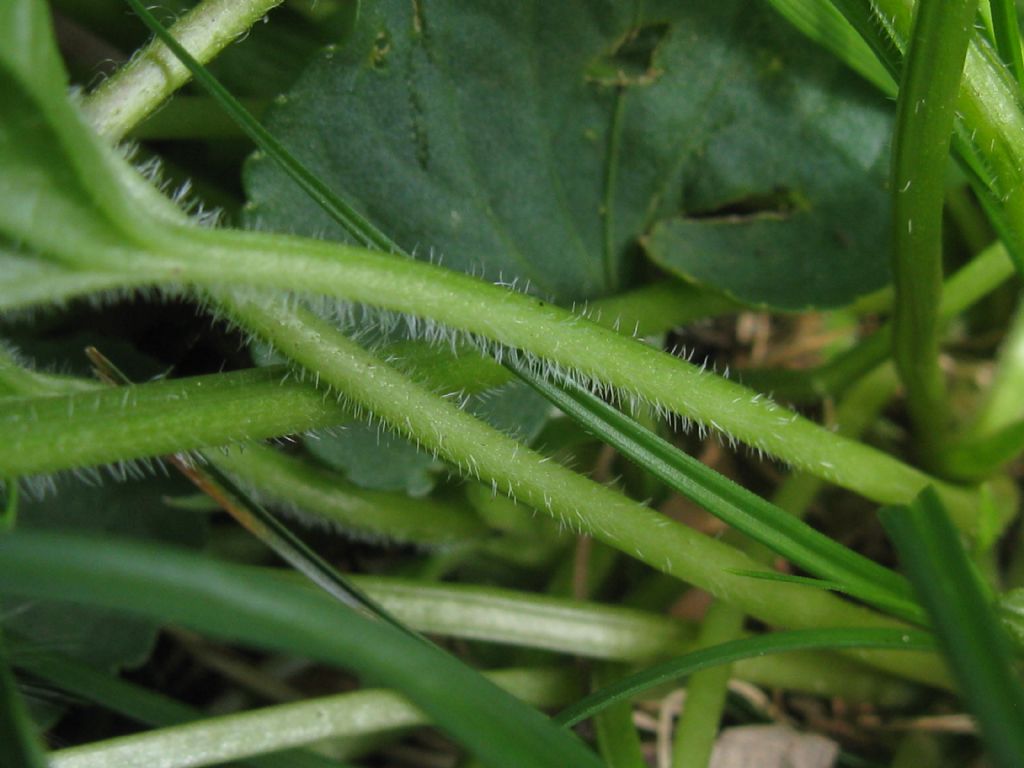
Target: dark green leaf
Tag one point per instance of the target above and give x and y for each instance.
(539, 142)
(969, 634)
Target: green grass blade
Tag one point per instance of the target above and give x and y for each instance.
(19, 743)
(726, 653)
(740, 508)
(976, 648)
(364, 232)
(1006, 27)
(230, 602)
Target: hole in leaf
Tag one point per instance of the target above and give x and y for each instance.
(631, 61)
(779, 203)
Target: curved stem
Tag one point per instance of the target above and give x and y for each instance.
(505, 322)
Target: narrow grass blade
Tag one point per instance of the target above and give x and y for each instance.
(19, 743)
(726, 653)
(968, 632)
(1006, 27)
(366, 234)
(232, 602)
(745, 511)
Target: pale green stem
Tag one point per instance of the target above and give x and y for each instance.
(617, 739)
(483, 452)
(705, 692)
(139, 87)
(217, 740)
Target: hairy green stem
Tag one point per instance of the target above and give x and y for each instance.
(83, 429)
(589, 507)
(569, 342)
(138, 88)
(924, 124)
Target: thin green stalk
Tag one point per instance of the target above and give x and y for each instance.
(589, 630)
(990, 122)
(925, 112)
(705, 693)
(485, 453)
(134, 91)
(617, 738)
(215, 740)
